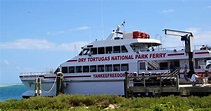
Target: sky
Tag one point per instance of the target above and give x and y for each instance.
(37, 35)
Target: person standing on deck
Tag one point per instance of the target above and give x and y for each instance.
(185, 73)
(171, 67)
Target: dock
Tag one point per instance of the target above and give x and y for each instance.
(162, 85)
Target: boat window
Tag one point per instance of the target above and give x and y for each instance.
(85, 68)
(71, 69)
(123, 49)
(93, 68)
(100, 68)
(101, 50)
(81, 52)
(116, 67)
(176, 64)
(116, 49)
(86, 52)
(78, 69)
(57, 70)
(142, 66)
(124, 67)
(64, 70)
(163, 66)
(139, 47)
(93, 50)
(108, 68)
(108, 50)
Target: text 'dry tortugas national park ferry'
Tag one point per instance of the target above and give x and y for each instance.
(101, 65)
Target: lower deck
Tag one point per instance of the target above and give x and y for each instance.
(161, 85)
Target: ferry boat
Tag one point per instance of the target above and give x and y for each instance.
(101, 65)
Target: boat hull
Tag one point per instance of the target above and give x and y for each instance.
(83, 86)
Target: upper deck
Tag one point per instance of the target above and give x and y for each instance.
(129, 42)
(130, 47)
(123, 38)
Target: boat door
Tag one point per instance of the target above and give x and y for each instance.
(142, 66)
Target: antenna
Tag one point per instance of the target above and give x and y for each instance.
(160, 39)
(123, 25)
(75, 49)
(90, 35)
(102, 20)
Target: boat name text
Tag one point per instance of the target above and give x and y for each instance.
(123, 57)
(112, 75)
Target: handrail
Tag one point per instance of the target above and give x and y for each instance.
(178, 48)
(36, 73)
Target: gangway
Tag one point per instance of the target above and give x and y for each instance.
(161, 84)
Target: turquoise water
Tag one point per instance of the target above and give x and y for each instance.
(11, 91)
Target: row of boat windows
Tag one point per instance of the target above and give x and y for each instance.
(95, 68)
(103, 50)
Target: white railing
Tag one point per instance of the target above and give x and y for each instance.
(34, 73)
(196, 47)
(37, 73)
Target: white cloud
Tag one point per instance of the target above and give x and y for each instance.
(41, 44)
(6, 62)
(82, 28)
(56, 32)
(200, 37)
(74, 46)
(27, 44)
(18, 68)
(70, 30)
(209, 7)
(168, 11)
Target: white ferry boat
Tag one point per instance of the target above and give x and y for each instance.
(101, 65)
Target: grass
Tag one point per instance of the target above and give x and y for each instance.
(108, 102)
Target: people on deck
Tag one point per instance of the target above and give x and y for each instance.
(185, 73)
(153, 49)
(203, 47)
(193, 79)
(171, 67)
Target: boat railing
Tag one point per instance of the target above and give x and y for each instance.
(171, 48)
(179, 48)
(37, 73)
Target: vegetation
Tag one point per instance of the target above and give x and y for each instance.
(108, 102)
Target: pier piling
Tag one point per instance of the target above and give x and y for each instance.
(37, 87)
(126, 84)
(59, 83)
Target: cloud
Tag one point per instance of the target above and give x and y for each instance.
(69, 30)
(41, 44)
(209, 7)
(168, 11)
(18, 68)
(6, 62)
(56, 32)
(79, 28)
(74, 46)
(82, 28)
(200, 37)
(27, 44)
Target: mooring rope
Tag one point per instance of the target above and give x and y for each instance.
(50, 88)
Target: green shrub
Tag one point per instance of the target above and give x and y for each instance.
(102, 102)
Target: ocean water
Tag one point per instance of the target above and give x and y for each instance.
(11, 91)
